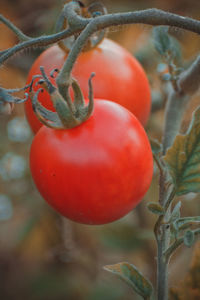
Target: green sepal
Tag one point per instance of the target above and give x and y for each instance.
(69, 114)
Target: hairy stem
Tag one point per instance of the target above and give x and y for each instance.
(162, 271)
(188, 84)
(176, 244)
(149, 16)
(40, 41)
(189, 80)
(162, 233)
(173, 116)
(77, 24)
(17, 31)
(177, 101)
(74, 52)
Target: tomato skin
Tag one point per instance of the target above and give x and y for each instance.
(97, 172)
(119, 78)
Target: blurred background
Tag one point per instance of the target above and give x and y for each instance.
(43, 256)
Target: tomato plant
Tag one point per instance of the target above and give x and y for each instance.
(119, 78)
(96, 172)
(95, 164)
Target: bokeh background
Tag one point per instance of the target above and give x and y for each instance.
(44, 256)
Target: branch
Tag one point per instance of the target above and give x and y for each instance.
(176, 244)
(40, 41)
(188, 83)
(173, 115)
(17, 31)
(77, 24)
(189, 80)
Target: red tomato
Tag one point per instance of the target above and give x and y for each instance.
(119, 78)
(96, 172)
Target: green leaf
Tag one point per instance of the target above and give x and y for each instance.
(184, 223)
(166, 44)
(174, 230)
(189, 238)
(161, 39)
(156, 147)
(183, 159)
(130, 274)
(155, 208)
(176, 212)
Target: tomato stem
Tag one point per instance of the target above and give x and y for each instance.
(175, 109)
(77, 23)
(92, 11)
(68, 114)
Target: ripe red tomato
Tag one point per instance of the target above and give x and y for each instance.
(96, 172)
(119, 78)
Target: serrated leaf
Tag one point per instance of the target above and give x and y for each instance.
(161, 39)
(189, 238)
(130, 274)
(183, 159)
(176, 212)
(156, 147)
(155, 208)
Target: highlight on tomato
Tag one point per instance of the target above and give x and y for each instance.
(119, 78)
(97, 172)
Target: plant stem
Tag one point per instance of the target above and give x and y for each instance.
(175, 108)
(173, 116)
(176, 244)
(176, 105)
(162, 270)
(162, 233)
(188, 84)
(17, 31)
(189, 79)
(149, 17)
(40, 41)
(78, 45)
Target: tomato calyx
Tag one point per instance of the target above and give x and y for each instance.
(7, 100)
(69, 114)
(92, 11)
